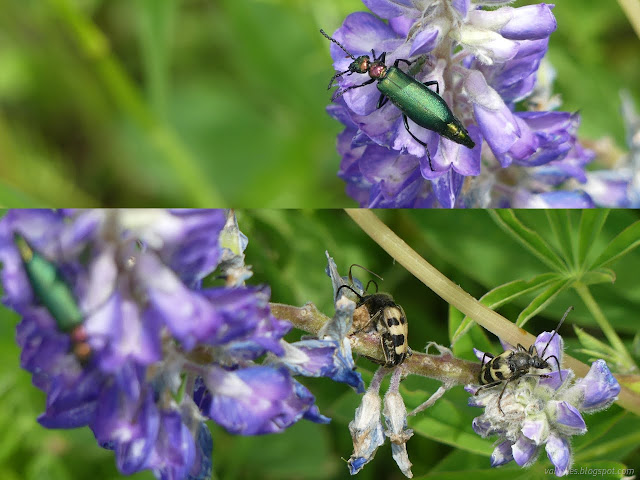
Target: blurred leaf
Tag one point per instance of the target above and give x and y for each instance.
(592, 343)
(591, 222)
(560, 223)
(531, 240)
(541, 301)
(626, 241)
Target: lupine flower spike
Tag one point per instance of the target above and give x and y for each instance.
(151, 354)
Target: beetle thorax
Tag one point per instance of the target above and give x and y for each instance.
(521, 362)
(378, 70)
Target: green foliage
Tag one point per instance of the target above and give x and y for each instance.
(170, 102)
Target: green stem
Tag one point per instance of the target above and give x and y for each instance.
(605, 326)
(95, 46)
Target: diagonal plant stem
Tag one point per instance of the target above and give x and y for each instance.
(605, 326)
(456, 296)
(171, 150)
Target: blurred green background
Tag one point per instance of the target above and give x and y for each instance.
(286, 249)
(219, 102)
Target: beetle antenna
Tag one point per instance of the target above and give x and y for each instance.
(337, 43)
(365, 269)
(369, 283)
(336, 76)
(347, 286)
(556, 330)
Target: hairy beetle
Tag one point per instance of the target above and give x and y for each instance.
(511, 365)
(380, 313)
(414, 99)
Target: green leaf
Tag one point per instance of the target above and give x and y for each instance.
(626, 241)
(592, 343)
(591, 222)
(504, 294)
(541, 301)
(601, 275)
(527, 237)
(560, 223)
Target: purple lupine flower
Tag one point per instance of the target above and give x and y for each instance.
(161, 354)
(536, 411)
(620, 185)
(497, 55)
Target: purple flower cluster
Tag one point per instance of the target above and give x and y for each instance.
(486, 63)
(542, 411)
(165, 353)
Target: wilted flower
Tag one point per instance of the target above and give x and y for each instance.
(485, 61)
(161, 353)
(536, 411)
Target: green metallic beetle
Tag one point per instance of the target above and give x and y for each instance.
(54, 294)
(414, 99)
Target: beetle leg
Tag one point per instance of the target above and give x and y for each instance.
(502, 393)
(486, 354)
(406, 125)
(384, 352)
(339, 93)
(382, 58)
(397, 62)
(433, 82)
(488, 385)
(382, 100)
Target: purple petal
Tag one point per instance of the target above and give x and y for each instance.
(462, 6)
(568, 417)
(425, 41)
(203, 464)
(536, 429)
(555, 379)
(530, 22)
(321, 358)
(559, 453)
(389, 9)
(555, 199)
(253, 400)
(597, 390)
(502, 454)
(609, 188)
(548, 347)
(447, 187)
(174, 451)
(524, 451)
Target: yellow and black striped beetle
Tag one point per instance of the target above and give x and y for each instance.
(511, 365)
(380, 313)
